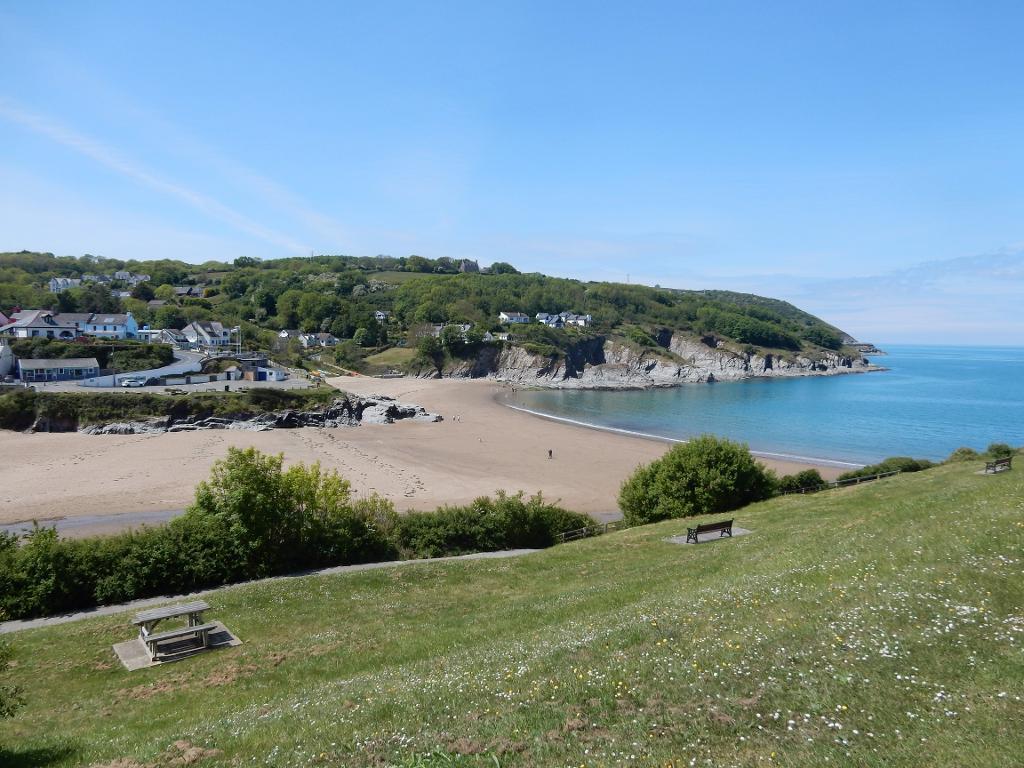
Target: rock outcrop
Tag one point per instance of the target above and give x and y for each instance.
(341, 413)
(601, 363)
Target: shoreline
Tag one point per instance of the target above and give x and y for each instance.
(480, 447)
(809, 460)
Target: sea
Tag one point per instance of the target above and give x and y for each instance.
(930, 401)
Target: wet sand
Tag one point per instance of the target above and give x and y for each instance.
(480, 447)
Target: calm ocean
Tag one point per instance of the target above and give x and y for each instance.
(931, 401)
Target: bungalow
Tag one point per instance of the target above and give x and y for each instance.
(183, 291)
(61, 284)
(207, 333)
(112, 326)
(38, 323)
(513, 317)
(58, 370)
(381, 315)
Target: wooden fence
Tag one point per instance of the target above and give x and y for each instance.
(591, 530)
(841, 483)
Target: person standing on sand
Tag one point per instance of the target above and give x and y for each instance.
(550, 454)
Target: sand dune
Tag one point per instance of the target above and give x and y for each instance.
(481, 446)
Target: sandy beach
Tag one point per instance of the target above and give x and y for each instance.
(480, 447)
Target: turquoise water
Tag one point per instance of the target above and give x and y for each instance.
(931, 401)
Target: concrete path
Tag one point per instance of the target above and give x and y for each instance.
(106, 610)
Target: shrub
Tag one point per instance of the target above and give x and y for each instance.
(1000, 451)
(892, 464)
(505, 522)
(963, 454)
(703, 476)
(809, 479)
(254, 518)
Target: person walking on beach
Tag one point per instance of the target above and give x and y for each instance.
(550, 454)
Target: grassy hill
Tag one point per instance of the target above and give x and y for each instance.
(880, 625)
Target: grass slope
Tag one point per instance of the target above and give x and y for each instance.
(880, 625)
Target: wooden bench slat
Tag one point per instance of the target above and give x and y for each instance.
(180, 632)
(170, 611)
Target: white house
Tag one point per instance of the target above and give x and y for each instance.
(310, 340)
(513, 317)
(38, 323)
(381, 315)
(112, 326)
(61, 284)
(207, 333)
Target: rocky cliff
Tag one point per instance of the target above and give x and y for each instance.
(602, 363)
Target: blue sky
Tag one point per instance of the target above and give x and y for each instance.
(863, 160)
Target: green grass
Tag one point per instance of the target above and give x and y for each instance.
(395, 357)
(880, 625)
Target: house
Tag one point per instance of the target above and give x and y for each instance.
(58, 370)
(207, 333)
(136, 279)
(468, 265)
(513, 318)
(309, 340)
(123, 275)
(38, 323)
(381, 315)
(61, 284)
(184, 291)
(91, 278)
(78, 319)
(156, 303)
(112, 326)
(170, 336)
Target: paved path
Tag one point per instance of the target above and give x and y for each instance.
(106, 610)
(95, 525)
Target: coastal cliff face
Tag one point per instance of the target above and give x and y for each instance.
(601, 363)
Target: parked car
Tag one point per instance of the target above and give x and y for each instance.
(133, 381)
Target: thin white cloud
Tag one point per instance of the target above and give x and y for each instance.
(112, 160)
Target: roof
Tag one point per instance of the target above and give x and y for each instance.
(73, 317)
(37, 318)
(70, 362)
(109, 319)
(513, 314)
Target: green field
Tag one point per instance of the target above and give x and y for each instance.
(396, 357)
(880, 625)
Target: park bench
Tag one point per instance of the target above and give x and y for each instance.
(723, 526)
(999, 465)
(201, 632)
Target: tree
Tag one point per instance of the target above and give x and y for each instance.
(143, 292)
(503, 268)
(430, 351)
(452, 340)
(704, 476)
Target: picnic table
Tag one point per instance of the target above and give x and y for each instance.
(147, 621)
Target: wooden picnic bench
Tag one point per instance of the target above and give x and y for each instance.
(999, 465)
(200, 631)
(724, 526)
(147, 621)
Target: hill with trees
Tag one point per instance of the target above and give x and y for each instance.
(346, 296)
